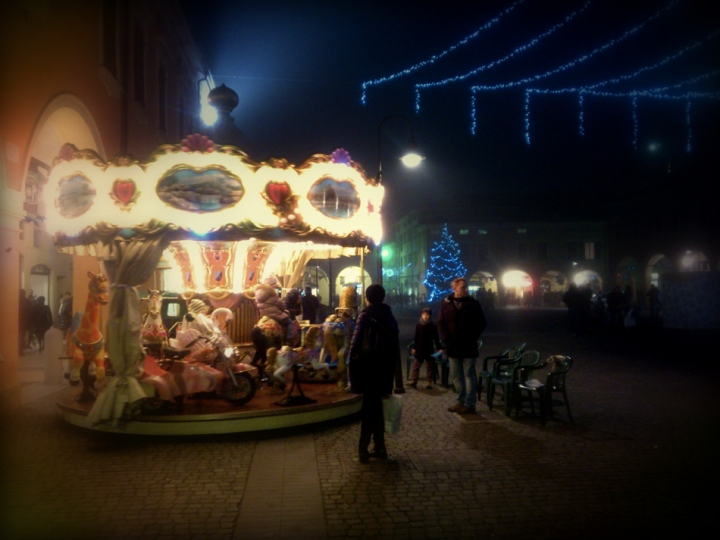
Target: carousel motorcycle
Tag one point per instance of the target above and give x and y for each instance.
(201, 366)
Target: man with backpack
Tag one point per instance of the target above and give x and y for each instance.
(374, 353)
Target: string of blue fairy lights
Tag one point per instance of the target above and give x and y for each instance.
(523, 48)
(435, 58)
(445, 264)
(653, 92)
(569, 65)
(594, 89)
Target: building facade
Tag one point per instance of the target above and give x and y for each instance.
(118, 78)
(519, 257)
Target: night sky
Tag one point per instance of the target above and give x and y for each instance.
(298, 68)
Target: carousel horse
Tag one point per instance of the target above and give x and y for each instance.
(338, 331)
(309, 353)
(153, 332)
(279, 362)
(86, 344)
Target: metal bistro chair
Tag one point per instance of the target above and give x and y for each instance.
(507, 375)
(486, 374)
(556, 368)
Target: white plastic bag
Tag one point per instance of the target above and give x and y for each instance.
(392, 413)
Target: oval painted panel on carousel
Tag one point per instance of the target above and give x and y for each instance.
(200, 190)
(75, 196)
(334, 198)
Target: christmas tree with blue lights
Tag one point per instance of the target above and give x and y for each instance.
(445, 265)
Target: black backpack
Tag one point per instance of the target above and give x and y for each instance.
(365, 362)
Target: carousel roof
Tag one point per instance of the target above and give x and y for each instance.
(197, 190)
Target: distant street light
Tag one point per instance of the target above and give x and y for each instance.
(410, 159)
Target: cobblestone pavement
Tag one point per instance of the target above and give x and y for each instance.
(640, 460)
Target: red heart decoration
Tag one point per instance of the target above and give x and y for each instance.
(124, 190)
(278, 192)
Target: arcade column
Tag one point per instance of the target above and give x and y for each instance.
(10, 389)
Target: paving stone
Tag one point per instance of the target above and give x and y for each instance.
(636, 463)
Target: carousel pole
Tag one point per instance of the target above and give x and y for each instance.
(362, 278)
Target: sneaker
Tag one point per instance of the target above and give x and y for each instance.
(455, 408)
(462, 409)
(412, 384)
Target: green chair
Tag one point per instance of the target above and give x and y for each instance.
(507, 374)
(554, 370)
(486, 374)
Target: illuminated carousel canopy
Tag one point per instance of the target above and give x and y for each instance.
(197, 190)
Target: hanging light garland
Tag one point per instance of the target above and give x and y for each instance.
(496, 63)
(435, 58)
(654, 93)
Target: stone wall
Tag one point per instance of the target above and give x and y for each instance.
(690, 299)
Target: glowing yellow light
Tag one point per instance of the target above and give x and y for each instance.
(208, 113)
(516, 278)
(412, 159)
(127, 195)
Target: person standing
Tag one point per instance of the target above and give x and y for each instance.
(24, 320)
(571, 298)
(615, 301)
(293, 303)
(461, 323)
(43, 320)
(310, 304)
(654, 298)
(426, 342)
(66, 312)
(372, 374)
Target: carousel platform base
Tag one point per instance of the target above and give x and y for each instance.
(211, 414)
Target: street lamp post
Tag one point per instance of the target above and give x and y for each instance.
(410, 159)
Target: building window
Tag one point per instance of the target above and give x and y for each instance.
(522, 231)
(139, 65)
(522, 251)
(542, 251)
(37, 237)
(110, 36)
(589, 251)
(464, 231)
(162, 91)
(482, 231)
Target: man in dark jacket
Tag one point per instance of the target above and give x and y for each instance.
(615, 302)
(43, 319)
(310, 304)
(372, 375)
(461, 323)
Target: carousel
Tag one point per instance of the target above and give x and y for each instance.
(236, 236)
